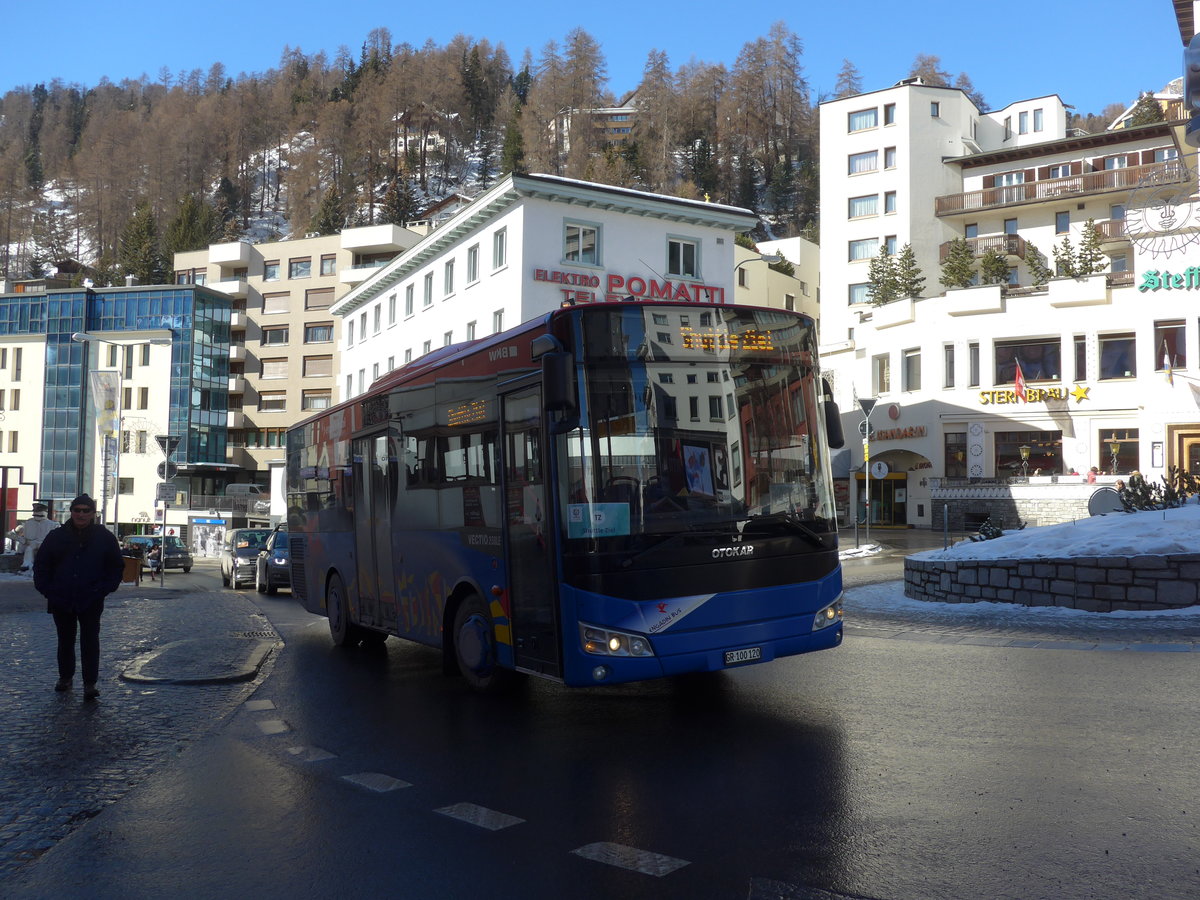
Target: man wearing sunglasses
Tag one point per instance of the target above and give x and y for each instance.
(77, 566)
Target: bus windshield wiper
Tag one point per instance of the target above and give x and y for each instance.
(789, 520)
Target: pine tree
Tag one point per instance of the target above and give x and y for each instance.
(1065, 265)
(330, 217)
(881, 276)
(958, 269)
(1090, 258)
(993, 267)
(849, 81)
(1035, 262)
(399, 202)
(1146, 112)
(141, 252)
(909, 280)
(512, 157)
(195, 226)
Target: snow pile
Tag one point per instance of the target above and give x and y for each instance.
(1153, 533)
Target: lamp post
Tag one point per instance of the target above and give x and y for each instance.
(769, 258)
(1114, 449)
(82, 337)
(867, 404)
(1025, 450)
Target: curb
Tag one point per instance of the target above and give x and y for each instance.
(200, 661)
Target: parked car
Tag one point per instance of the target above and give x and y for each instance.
(175, 554)
(274, 569)
(239, 555)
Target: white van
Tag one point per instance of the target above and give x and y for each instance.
(246, 490)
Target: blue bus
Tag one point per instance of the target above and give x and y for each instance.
(612, 492)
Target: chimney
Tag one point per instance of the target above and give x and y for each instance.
(130, 280)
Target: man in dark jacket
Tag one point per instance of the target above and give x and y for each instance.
(77, 566)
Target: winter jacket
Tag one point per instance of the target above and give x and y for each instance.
(77, 568)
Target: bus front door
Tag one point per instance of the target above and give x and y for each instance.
(529, 537)
(374, 486)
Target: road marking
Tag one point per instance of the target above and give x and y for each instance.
(631, 858)
(473, 814)
(273, 726)
(376, 781)
(311, 754)
(259, 705)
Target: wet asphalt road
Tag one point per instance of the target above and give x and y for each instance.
(946, 757)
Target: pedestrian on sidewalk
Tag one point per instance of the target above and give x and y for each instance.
(77, 566)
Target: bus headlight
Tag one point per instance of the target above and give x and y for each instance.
(606, 642)
(830, 615)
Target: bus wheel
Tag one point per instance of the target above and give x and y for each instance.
(343, 631)
(475, 647)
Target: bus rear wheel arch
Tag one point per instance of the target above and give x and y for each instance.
(337, 607)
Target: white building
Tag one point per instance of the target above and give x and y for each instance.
(918, 164)
(523, 248)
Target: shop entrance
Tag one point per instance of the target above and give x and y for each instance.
(1184, 448)
(889, 499)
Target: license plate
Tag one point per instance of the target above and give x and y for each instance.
(750, 654)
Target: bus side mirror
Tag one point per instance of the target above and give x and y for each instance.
(558, 383)
(833, 418)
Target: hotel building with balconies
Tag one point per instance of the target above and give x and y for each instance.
(1108, 361)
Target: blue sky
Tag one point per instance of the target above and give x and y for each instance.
(1090, 54)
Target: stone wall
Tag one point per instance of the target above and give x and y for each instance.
(1037, 501)
(1097, 584)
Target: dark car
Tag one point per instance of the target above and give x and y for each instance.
(239, 555)
(274, 568)
(176, 553)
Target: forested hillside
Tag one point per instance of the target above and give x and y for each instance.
(118, 176)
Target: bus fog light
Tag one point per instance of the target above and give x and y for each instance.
(599, 673)
(606, 642)
(830, 615)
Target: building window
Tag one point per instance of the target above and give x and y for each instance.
(408, 301)
(973, 365)
(1165, 154)
(1023, 123)
(374, 373)
(889, 114)
(867, 205)
(1063, 170)
(581, 244)
(274, 336)
(276, 303)
(391, 310)
(1045, 453)
(14, 399)
(694, 408)
(1119, 263)
(472, 264)
(275, 368)
(391, 363)
(1081, 357)
(889, 157)
(789, 302)
(318, 298)
(362, 327)
(376, 318)
(1118, 356)
(317, 366)
(948, 365)
(312, 400)
(863, 119)
(860, 163)
(1170, 350)
(300, 268)
(143, 441)
(1116, 162)
(881, 373)
(864, 249)
(889, 202)
(408, 356)
(500, 248)
(350, 333)
(447, 338)
(143, 398)
(448, 278)
(889, 243)
(145, 355)
(272, 401)
(1037, 119)
(1010, 226)
(497, 321)
(860, 293)
(683, 258)
(427, 296)
(349, 385)
(470, 331)
(127, 398)
(426, 347)
(912, 370)
(1007, 127)
(271, 270)
(714, 409)
(1041, 360)
(1062, 222)
(955, 454)
(328, 267)
(935, 109)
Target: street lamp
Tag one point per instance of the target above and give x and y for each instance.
(1114, 449)
(1025, 450)
(82, 337)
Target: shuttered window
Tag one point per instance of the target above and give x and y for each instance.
(276, 303)
(275, 368)
(315, 366)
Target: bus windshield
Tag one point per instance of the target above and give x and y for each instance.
(696, 420)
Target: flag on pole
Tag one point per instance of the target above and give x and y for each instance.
(1020, 384)
(1167, 364)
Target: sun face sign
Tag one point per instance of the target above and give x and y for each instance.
(1161, 219)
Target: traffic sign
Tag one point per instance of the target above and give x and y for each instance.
(167, 470)
(168, 443)
(867, 404)
(865, 429)
(165, 493)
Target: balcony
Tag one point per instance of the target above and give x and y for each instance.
(234, 288)
(232, 255)
(377, 239)
(237, 353)
(237, 384)
(237, 419)
(1170, 172)
(1112, 230)
(353, 275)
(237, 320)
(1008, 244)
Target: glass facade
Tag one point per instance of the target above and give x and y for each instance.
(198, 320)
